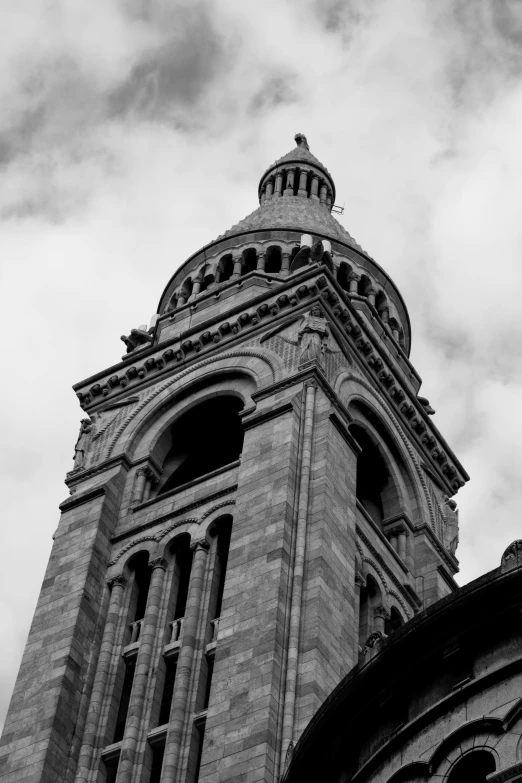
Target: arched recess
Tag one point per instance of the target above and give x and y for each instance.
(273, 260)
(384, 487)
(133, 437)
(350, 386)
(249, 261)
(343, 275)
(206, 436)
(476, 766)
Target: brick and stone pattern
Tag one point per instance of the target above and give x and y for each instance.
(51, 692)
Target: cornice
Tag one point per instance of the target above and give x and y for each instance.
(175, 513)
(78, 500)
(355, 336)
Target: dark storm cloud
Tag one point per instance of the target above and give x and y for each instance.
(276, 90)
(178, 72)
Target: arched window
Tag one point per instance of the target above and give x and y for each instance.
(273, 261)
(372, 475)
(207, 437)
(186, 290)
(474, 767)
(370, 597)
(138, 604)
(343, 275)
(393, 622)
(364, 284)
(249, 261)
(226, 268)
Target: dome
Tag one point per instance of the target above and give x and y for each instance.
(298, 172)
(293, 212)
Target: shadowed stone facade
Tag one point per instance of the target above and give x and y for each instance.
(259, 497)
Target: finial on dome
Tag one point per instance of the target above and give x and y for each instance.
(301, 141)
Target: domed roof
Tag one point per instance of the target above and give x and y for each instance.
(293, 212)
(300, 154)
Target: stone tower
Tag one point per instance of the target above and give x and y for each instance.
(258, 494)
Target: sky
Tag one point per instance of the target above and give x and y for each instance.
(133, 132)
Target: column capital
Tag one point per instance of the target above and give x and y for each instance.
(158, 562)
(201, 543)
(119, 580)
(381, 611)
(354, 276)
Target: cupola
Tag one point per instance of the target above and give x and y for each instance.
(298, 173)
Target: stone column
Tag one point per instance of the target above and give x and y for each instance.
(278, 183)
(185, 658)
(380, 615)
(139, 485)
(315, 188)
(401, 539)
(384, 314)
(261, 261)
(285, 264)
(322, 193)
(117, 584)
(329, 201)
(302, 184)
(196, 288)
(269, 189)
(289, 190)
(150, 480)
(298, 572)
(238, 266)
(370, 295)
(181, 300)
(141, 676)
(353, 279)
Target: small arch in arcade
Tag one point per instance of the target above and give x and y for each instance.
(473, 767)
(393, 622)
(249, 261)
(273, 260)
(364, 284)
(226, 268)
(343, 275)
(186, 289)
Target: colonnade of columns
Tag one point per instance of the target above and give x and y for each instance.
(186, 632)
(309, 185)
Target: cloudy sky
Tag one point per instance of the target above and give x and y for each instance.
(134, 131)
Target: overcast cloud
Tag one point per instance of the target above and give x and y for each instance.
(134, 131)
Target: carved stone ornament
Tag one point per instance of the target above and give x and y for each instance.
(374, 638)
(138, 338)
(512, 557)
(83, 443)
(201, 544)
(119, 580)
(158, 562)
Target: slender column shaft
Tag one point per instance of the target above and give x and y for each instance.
(370, 293)
(278, 184)
(238, 265)
(289, 190)
(269, 188)
(322, 194)
(196, 288)
(100, 680)
(261, 262)
(297, 584)
(315, 188)
(402, 546)
(143, 663)
(181, 300)
(302, 184)
(184, 668)
(139, 486)
(285, 264)
(354, 282)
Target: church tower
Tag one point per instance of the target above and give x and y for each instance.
(258, 495)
